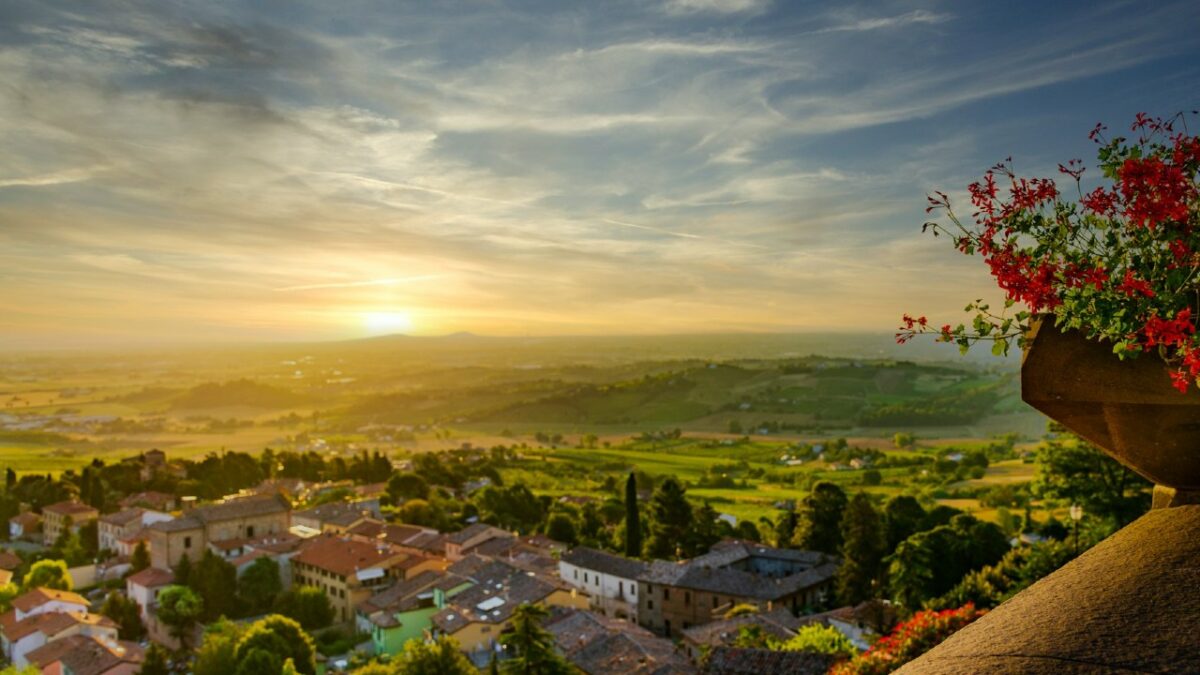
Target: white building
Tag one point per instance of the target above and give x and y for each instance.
(115, 527)
(45, 615)
(610, 581)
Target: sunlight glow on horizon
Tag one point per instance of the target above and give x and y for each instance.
(382, 323)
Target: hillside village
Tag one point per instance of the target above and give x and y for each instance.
(385, 583)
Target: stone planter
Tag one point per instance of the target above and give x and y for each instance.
(1127, 408)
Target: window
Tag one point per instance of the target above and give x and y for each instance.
(687, 598)
(585, 580)
(633, 589)
(716, 601)
(187, 542)
(666, 594)
(576, 574)
(621, 587)
(250, 532)
(649, 604)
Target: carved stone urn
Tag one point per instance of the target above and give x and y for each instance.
(1128, 408)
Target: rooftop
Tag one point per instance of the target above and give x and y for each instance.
(605, 563)
(342, 556)
(83, 655)
(151, 577)
(70, 508)
(37, 597)
(732, 661)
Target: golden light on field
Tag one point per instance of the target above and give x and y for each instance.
(387, 322)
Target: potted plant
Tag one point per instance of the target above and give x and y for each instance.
(1102, 291)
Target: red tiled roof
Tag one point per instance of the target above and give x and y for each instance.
(26, 518)
(85, 655)
(342, 556)
(70, 508)
(53, 623)
(151, 577)
(40, 596)
(9, 561)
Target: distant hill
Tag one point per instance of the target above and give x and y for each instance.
(237, 393)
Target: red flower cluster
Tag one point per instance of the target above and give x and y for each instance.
(1115, 263)
(909, 640)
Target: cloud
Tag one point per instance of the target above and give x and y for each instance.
(50, 179)
(355, 284)
(914, 17)
(716, 6)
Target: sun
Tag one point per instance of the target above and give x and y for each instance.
(388, 322)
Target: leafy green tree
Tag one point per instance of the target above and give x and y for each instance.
(513, 507)
(560, 527)
(140, 559)
(281, 638)
(217, 654)
(126, 614)
(405, 486)
(703, 533)
(155, 662)
(820, 522)
(180, 609)
(183, 570)
(784, 530)
(532, 647)
(260, 662)
(670, 519)
(215, 581)
(441, 657)
(47, 574)
(8, 593)
(903, 515)
(816, 637)
(862, 551)
(633, 522)
(259, 585)
(307, 605)
(928, 564)
(1076, 471)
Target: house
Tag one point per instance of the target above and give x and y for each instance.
(478, 615)
(735, 661)
(241, 518)
(610, 581)
(143, 588)
(125, 525)
(158, 501)
(27, 525)
(460, 543)
(87, 655)
(44, 615)
(278, 547)
(153, 463)
(335, 516)
(598, 645)
(674, 596)
(348, 571)
(404, 611)
(65, 515)
(779, 624)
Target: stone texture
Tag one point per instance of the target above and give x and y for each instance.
(1128, 408)
(1129, 605)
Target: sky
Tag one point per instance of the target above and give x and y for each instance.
(243, 171)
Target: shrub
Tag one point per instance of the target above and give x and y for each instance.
(909, 640)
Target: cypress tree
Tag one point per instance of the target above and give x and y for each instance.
(633, 521)
(862, 551)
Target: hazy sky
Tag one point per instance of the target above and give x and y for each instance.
(283, 170)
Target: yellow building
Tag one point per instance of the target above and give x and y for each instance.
(60, 516)
(190, 534)
(349, 571)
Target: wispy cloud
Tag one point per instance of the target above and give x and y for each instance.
(356, 284)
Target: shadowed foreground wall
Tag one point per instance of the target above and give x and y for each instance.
(1129, 605)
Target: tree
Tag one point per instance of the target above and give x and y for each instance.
(259, 585)
(279, 637)
(126, 613)
(404, 486)
(817, 637)
(784, 530)
(862, 551)
(928, 564)
(441, 657)
(560, 527)
(531, 646)
(183, 570)
(180, 609)
(703, 533)
(215, 581)
(259, 662)
(670, 519)
(307, 605)
(140, 559)
(217, 654)
(735, 427)
(155, 661)
(1074, 470)
(633, 522)
(902, 516)
(47, 574)
(820, 523)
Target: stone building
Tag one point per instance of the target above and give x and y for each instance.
(57, 517)
(674, 596)
(191, 534)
